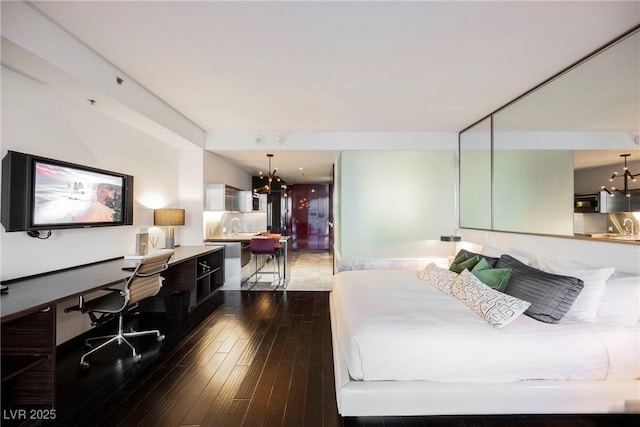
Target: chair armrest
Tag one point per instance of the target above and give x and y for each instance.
(80, 306)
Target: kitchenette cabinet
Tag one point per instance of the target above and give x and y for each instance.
(221, 197)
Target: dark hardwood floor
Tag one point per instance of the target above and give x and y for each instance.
(244, 359)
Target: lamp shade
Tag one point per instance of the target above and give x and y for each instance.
(168, 217)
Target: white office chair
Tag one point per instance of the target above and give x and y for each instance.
(145, 282)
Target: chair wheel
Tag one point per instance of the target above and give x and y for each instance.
(84, 365)
(137, 358)
(160, 338)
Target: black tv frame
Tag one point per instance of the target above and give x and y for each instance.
(16, 211)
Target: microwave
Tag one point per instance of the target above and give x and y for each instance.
(586, 203)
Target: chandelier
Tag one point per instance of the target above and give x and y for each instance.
(271, 177)
(626, 176)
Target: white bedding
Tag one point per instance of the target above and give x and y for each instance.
(392, 326)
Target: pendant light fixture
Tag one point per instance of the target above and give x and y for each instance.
(271, 177)
(626, 176)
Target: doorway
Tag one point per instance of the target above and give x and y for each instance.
(310, 218)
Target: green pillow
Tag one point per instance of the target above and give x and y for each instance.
(462, 262)
(497, 278)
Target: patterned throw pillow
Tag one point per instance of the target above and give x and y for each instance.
(438, 277)
(496, 308)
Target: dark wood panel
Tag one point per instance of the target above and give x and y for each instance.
(29, 359)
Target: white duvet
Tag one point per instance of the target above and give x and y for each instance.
(392, 326)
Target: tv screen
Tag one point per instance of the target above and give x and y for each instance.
(70, 195)
(46, 194)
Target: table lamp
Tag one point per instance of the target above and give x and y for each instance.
(168, 218)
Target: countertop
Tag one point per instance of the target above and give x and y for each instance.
(239, 237)
(233, 237)
(630, 238)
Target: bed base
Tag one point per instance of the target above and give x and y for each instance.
(408, 398)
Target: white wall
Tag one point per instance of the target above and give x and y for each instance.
(36, 120)
(191, 195)
(219, 171)
(332, 141)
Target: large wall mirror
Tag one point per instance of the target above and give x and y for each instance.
(534, 158)
(475, 176)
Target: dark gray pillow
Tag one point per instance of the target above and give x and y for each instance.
(491, 260)
(550, 295)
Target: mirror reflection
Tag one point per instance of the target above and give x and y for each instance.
(556, 148)
(475, 176)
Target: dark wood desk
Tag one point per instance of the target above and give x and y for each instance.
(28, 314)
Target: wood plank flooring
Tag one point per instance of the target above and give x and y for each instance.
(244, 359)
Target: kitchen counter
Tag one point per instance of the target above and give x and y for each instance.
(240, 262)
(626, 238)
(233, 237)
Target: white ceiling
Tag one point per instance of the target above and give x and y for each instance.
(383, 66)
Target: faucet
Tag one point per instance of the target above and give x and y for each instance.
(233, 221)
(624, 224)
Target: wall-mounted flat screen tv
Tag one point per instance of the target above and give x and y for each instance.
(40, 193)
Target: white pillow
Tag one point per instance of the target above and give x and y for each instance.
(440, 278)
(496, 308)
(585, 307)
(621, 301)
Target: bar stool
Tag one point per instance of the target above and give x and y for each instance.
(265, 246)
(276, 238)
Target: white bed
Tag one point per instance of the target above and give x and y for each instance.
(401, 347)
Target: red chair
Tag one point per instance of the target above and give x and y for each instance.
(265, 246)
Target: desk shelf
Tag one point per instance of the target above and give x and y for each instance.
(201, 275)
(210, 275)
